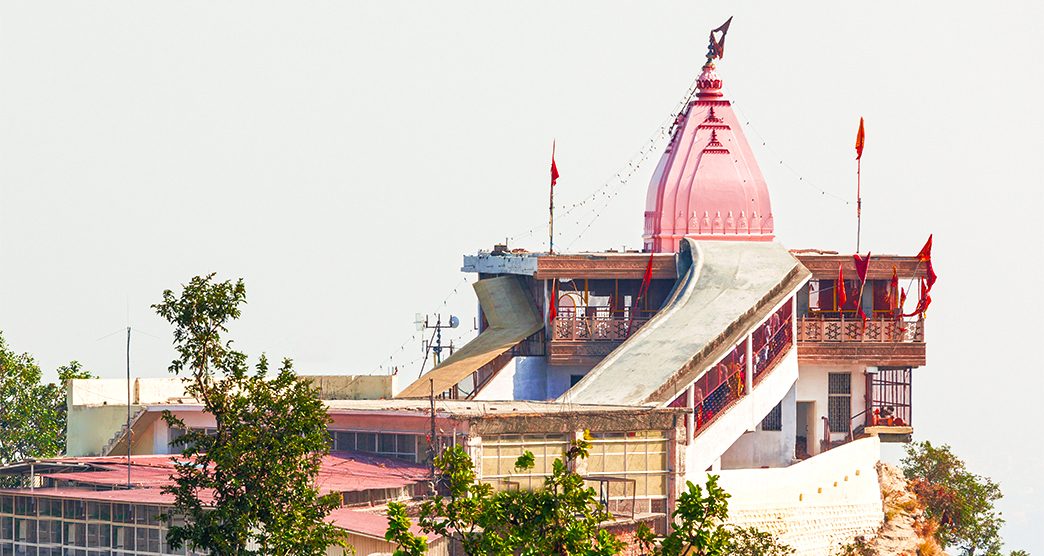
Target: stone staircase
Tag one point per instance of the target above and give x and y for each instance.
(121, 433)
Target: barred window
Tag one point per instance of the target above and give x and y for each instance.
(774, 420)
(839, 401)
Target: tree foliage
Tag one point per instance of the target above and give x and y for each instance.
(699, 528)
(564, 517)
(561, 518)
(249, 487)
(960, 501)
(32, 413)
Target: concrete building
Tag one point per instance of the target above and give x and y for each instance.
(715, 349)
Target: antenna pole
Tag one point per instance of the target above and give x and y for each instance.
(128, 437)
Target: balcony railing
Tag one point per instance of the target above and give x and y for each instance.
(569, 328)
(773, 350)
(852, 329)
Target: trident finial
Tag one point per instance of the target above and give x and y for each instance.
(716, 48)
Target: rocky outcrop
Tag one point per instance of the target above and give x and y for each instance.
(906, 531)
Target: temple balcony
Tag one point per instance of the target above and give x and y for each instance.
(880, 341)
(585, 335)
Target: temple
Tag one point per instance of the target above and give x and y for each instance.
(714, 349)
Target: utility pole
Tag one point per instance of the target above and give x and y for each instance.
(128, 436)
(432, 437)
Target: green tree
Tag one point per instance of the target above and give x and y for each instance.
(32, 413)
(699, 528)
(250, 487)
(561, 518)
(959, 500)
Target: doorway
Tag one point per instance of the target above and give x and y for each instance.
(806, 430)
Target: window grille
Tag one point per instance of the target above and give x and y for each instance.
(774, 420)
(839, 401)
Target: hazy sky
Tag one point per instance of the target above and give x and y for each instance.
(342, 156)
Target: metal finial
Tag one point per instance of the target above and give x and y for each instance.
(716, 46)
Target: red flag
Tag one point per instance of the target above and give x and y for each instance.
(923, 302)
(839, 289)
(925, 256)
(925, 253)
(646, 278)
(893, 289)
(860, 137)
(552, 305)
(862, 264)
(554, 167)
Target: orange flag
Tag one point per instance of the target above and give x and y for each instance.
(860, 136)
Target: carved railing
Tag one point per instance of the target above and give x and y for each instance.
(594, 329)
(847, 329)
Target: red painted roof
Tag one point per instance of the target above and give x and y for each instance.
(340, 472)
(367, 523)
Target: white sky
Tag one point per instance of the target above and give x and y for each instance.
(342, 156)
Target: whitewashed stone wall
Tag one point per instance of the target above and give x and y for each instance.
(817, 505)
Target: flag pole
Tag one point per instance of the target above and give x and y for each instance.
(551, 204)
(551, 224)
(859, 201)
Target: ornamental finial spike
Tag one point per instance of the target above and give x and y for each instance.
(716, 46)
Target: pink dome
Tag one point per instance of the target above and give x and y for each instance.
(707, 184)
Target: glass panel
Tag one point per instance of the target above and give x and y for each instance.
(75, 509)
(6, 504)
(25, 506)
(122, 513)
(51, 507)
(75, 534)
(99, 511)
(123, 537)
(153, 540)
(141, 538)
(386, 443)
(98, 535)
(406, 444)
(366, 442)
(344, 440)
(657, 486)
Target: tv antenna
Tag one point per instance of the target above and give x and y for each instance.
(433, 346)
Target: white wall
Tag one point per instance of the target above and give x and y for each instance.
(558, 377)
(816, 505)
(744, 416)
(761, 448)
(812, 387)
(523, 378)
(89, 428)
(530, 378)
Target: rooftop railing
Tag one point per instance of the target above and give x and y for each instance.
(844, 328)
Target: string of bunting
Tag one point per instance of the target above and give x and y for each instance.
(389, 364)
(611, 188)
(664, 130)
(776, 156)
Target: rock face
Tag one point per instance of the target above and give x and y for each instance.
(906, 530)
